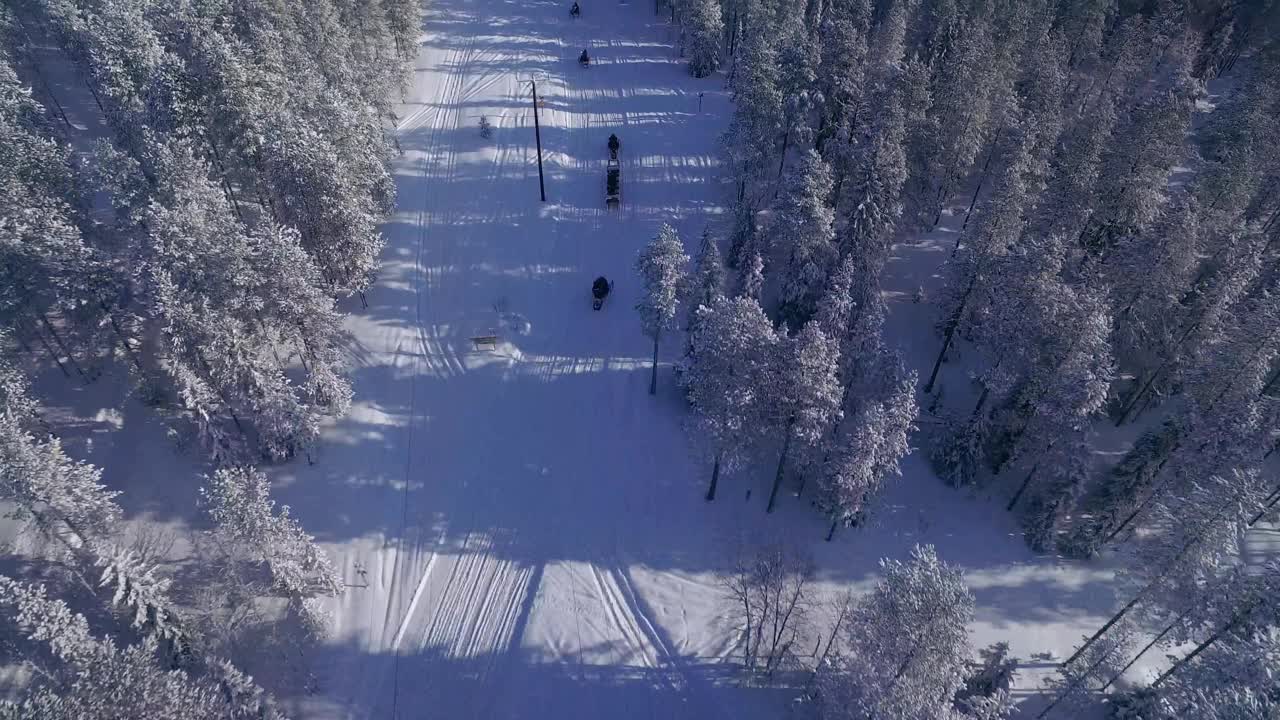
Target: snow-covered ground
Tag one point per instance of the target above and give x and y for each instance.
(525, 528)
(523, 531)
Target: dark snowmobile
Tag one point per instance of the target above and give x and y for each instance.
(600, 289)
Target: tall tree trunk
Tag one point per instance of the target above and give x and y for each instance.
(982, 179)
(124, 342)
(782, 463)
(1168, 628)
(653, 376)
(1026, 482)
(782, 163)
(61, 345)
(1186, 548)
(949, 334)
(715, 478)
(1236, 619)
(53, 354)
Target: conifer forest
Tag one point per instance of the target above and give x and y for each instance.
(764, 359)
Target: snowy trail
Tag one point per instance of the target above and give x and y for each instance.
(466, 485)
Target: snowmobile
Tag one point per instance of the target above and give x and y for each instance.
(612, 184)
(599, 291)
(584, 60)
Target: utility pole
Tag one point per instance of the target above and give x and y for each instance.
(537, 134)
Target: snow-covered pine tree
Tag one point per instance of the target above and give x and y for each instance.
(1149, 273)
(1068, 378)
(757, 122)
(861, 453)
(751, 277)
(1238, 160)
(806, 394)
(842, 46)
(83, 676)
(804, 228)
(1134, 170)
(223, 343)
(64, 498)
(971, 283)
(1221, 280)
(905, 646)
(798, 59)
(239, 501)
(46, 267)
(728, 378)
(705, 285)
(870, 194)
(962, 91)
(662, 266)
(702, 27)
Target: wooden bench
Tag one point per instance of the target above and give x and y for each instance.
(485, 342)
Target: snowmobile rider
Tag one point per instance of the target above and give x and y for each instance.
(600, 288)
(613, 146)
(575, 10)
(583, 58)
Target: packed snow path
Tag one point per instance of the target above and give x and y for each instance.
(523, 529)
(495, 502)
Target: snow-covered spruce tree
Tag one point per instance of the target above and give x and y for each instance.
(803, 226)
(239, 501)
(985, 694)
(83, 676)
(1221, 280)
(842, 47)
(877, 400)
(705, 285)
(702, 27)
(807, 394)
(1237, 158)
(971, 285)
(905, 646)
(728, 379)
(1149, 273)
(866, 448)
(870, 195)
(662, 266)
(757, 122)
(1064, 384)
(961, 91)
(1134, 170)
(1054, 483)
